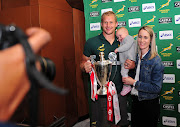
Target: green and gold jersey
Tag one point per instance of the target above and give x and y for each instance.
(99, 44)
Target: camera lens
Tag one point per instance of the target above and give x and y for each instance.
(47, 68)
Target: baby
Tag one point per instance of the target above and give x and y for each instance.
(127, 50)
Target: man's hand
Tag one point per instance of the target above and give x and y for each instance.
(86, 64)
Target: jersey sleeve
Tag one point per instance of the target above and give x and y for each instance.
(87, 49)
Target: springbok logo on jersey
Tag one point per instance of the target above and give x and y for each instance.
(101, 48)
(93, 4)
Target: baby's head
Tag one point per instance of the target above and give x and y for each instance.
(121, 33)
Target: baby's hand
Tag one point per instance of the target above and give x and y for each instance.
(115, 50)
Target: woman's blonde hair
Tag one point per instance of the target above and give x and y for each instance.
(152, 39)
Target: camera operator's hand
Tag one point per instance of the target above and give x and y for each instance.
(14, 83)
(37, 38)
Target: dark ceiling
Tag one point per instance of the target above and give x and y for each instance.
(78, 4)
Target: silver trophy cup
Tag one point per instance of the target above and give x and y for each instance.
(102, 70)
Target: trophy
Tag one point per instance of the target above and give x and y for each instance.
(102, 70)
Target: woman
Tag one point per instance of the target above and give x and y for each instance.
(148, 81)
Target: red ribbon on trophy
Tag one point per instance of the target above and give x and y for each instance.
(93, 85)
(112, 98)
(109, 105)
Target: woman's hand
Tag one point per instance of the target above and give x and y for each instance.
(129, 64)
(128, 80)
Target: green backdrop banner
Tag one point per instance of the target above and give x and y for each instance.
(164, 17)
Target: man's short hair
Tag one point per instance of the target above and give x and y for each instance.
(107, 14)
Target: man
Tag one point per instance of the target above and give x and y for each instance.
(107, 43)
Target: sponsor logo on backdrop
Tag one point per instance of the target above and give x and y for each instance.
(179, 108)
(155, 35)
(121, 23)
(169, 78)
(105, 1)
(135, 36)
(105, 10)
(164, 6)
(132, 1)
(94, 14)
(95, 26)
(177, 4)
(171, 91)
(101, 48)
(168, 34)
(149, 7)
(177, 19)
(120, 10)
(170, 107)
(168, 63)
(178, 37)
(93, 4)
(178, 48)
(169, 121)
(135, 22)
(178, 64)
(179, 91)
(150, 20)
(134, 9)
(165, 20)
(165, 50)
(129, 116)
(119, 0)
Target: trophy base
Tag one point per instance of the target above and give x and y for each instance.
(102, 91)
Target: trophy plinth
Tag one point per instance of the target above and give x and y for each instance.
(102, 70)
